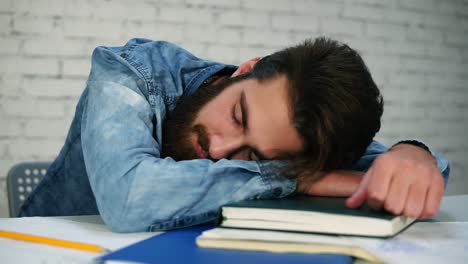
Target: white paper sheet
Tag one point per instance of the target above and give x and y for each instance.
(85, 229)
(424, 242)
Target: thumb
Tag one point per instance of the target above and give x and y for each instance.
(360, 194)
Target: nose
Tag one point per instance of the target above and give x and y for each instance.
(223, 146)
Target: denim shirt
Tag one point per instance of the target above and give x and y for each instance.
(110, 163)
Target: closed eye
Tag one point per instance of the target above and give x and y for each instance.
(251, 153)
(233, 115)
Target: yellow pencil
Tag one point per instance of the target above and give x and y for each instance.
(52, 241)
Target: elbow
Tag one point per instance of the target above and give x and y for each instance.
(119, 225)
(121, 222)
(132, 221)
(138, 220)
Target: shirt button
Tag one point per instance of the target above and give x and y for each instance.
(277, 191)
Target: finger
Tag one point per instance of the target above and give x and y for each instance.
(379, 185)
(398, 193)
(416, 200)
(359, 196)
(434, 197)
(380, 182)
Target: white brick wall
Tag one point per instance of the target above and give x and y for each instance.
(417, 51)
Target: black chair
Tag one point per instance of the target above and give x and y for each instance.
(21, 180)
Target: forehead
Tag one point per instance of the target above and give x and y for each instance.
(270, 117)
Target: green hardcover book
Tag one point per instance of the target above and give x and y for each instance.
(328, 215)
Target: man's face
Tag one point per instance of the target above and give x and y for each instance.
(245, 119)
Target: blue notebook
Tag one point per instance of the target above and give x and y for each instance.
(179, 246)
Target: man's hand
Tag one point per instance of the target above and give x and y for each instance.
(404, 180)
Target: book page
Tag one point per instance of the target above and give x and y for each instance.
(275, 236)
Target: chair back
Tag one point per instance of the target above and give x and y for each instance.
(22, 179)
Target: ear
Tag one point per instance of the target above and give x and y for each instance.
(246, 67)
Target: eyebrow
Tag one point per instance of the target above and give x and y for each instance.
(245, 124)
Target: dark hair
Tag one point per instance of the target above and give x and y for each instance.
(335, 104)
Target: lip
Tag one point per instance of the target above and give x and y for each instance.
(201, 154)
(198, 149)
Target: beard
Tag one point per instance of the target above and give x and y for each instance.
(179, 124)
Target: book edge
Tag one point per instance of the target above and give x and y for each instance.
(286, 247)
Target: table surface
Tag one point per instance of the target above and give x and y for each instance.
(92, 229)
(453, 209)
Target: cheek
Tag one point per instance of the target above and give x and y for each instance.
(214, 117)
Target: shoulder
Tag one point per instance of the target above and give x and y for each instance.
(137, 57)
(159, 68)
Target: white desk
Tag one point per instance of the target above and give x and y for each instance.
(86, 229)
(90, 229)
(453, 209)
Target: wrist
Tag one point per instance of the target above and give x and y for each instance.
(413, 143)
(413, 151)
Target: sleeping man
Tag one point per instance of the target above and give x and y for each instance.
(161, 139)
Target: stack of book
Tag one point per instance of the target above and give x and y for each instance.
(300, 224)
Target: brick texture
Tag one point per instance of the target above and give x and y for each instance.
(417, 51)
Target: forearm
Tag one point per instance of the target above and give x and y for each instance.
(336, 183)
(161, 194)
(344, 182)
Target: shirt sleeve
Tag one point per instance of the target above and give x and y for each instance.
(136, 190)
(376, 148)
